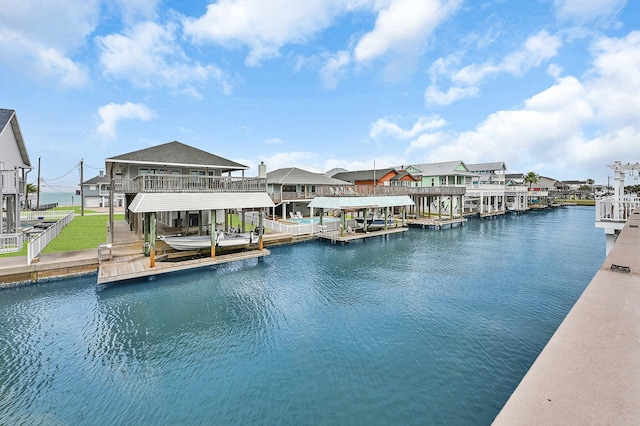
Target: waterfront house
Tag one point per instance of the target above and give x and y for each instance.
(449, 173)
(182, 188)
(291, 189)
(489, 173)
(96, 190)
(14, 166)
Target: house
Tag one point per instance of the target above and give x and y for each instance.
(291, 189)
(96, 192)
(14, 166)
(450, 173)
(489, 173)
(182, 188)
(378, 177)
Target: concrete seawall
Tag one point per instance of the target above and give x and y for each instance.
(589, 371)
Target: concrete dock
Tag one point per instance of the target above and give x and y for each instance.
(589, 371)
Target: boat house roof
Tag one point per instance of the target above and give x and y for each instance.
(360, 202)
(186, 201)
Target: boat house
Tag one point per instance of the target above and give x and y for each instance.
(178, 189)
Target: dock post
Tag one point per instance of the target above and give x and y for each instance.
(213, 231)
(152, 231)
(260, 232)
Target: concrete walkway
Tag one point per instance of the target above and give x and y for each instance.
(589, 372)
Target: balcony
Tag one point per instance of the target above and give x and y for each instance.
(188, 183)
(373, 190)
(615, 211)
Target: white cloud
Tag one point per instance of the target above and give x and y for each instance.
(264, 26)
(435, 96)
(148, 55)
(402, 26)
(334, 68)
(37, 38)
(112, 113)
(274, 141)
(583, 11)
(383, 127)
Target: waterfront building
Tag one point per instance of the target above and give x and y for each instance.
(181, 189)
(489, 173)
(379, 177)
(14, 166)
(292, 189)
(96, 190)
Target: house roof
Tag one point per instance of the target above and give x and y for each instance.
(181, 201)
(177, 154)
(444, 168)
(293, 176)
(496, 165)
(97, 180)
(361, 175)
(9, 117)
(335, 170)
(402, 175)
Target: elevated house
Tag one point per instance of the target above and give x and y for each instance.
(375, 177)
(489, 173)
(292, 189)
(449, 173)
(14, 166)
(96, 192)
(176, 188)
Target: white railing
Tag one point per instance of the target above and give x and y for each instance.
(29, 215)
(295, 229)
(10, 243)
(35, 246)
(610, 210)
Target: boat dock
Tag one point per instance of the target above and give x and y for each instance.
(134, 267)
(589, 371)
(334, 237)
(435, 223)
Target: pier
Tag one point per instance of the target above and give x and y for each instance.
(589, 371)
(334, 237)
(435, 223)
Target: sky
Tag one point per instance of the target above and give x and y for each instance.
(549, 86)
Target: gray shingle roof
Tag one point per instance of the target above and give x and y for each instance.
(444, 168)
(8, 116)
(177, 154)
(293, 176)
(478, 167)
(96, 180)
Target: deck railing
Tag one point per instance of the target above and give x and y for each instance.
(294, 229)
(188, 183)
(35, 246)
(374, 190)
(10, 243)
(610, 210)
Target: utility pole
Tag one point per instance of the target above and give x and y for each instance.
(81, 187)
(38, 192)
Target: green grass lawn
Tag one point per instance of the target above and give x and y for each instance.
(84, 232)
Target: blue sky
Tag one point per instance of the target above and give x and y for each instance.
(550, 86)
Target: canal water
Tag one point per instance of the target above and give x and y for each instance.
(430, 327)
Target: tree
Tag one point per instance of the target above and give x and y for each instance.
(30, 189)
(531, 178)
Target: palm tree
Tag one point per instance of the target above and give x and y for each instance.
(30, 189)
(531, 177)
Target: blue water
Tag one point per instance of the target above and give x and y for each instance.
(429, 327)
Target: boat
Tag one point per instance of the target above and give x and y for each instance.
(198, 242)
(376, 223)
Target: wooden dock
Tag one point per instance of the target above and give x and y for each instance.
(133, 267)
(425, 222)
(334, 236)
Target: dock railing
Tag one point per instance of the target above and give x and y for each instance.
(611, 210)
(295, 229)
(35, 246)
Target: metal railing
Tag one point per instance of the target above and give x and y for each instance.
(610, 210)
(188, 183)
(295, 229)
(35, 246)
(34, 215)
